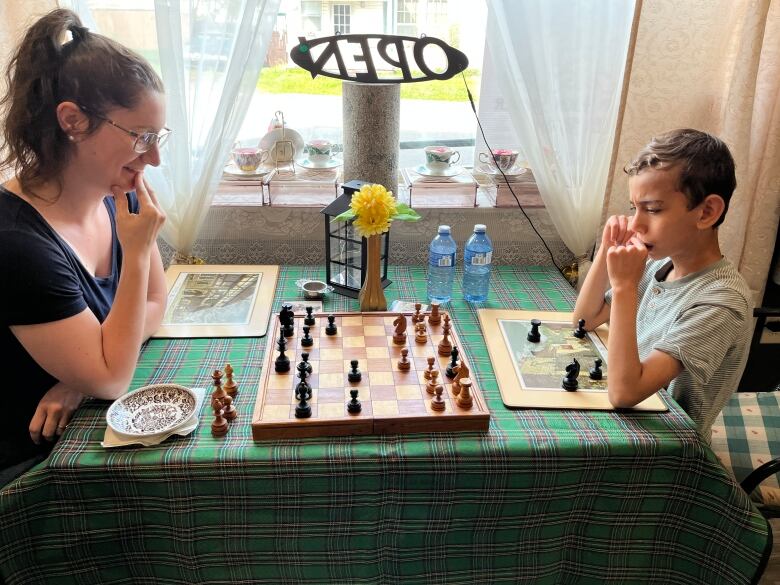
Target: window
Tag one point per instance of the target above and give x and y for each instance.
(341, 17)
(407, 17)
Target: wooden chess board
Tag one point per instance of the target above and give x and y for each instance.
(393, 401)
(530, 374)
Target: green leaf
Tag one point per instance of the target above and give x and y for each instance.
(346, 216)
(407, 217)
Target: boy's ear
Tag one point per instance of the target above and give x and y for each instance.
(710, 210)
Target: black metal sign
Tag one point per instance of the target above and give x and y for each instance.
(376, 50)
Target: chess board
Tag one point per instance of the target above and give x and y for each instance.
(530, 374)
(393, 401)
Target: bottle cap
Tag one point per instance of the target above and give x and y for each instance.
(444, 230)
(480, 228)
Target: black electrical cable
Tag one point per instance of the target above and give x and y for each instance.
(506, 181)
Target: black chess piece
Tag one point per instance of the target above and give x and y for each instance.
(570, 379)
(580, 332)
(595, 372)
(307, 340)
(533, 335)
(450, 371)
(281, 343)
(331, 328)
(282, 362)
(354, 406)
(303, 387)
(309, 319)
(305, 360)
(354, 374)
(303, 409)
(288, 320)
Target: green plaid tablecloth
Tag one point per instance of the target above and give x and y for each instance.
(543, 497)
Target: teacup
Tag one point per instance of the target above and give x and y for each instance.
(503, 158)
(248, 158)
(319, 151)
(440, 158)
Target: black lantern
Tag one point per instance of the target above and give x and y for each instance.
(346, 250)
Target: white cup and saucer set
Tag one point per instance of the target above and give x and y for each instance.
(502, 161)
(319, 155)
(248, 161)
(440, 162)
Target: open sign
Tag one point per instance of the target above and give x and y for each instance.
(370, 51)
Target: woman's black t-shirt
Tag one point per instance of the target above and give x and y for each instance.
(43, 281)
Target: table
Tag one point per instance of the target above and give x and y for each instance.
(543, 497)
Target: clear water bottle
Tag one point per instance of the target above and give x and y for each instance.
(477, 258)
(441, 266)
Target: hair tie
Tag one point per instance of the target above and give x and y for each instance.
(79, 33)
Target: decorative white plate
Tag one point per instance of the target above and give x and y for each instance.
(151, 410)
(232, 169)
(268, 142)
(448, 172)
(329, 164)
(514, 171)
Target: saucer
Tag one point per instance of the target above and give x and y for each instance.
(448, 172)
(489, 170)
(328, 164)
(268, 142)
(232, 169)
(151, 410)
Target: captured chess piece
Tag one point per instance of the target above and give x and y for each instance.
(307, 340)
(219, 392)
(282, 362)
(580, 332)
(418, 317)
(430, 388)
(445, 347)
(354, 374)
(570, 379)
(404, 364)
(451, 370)
(399, 337)
(435, 317)
(354, 406)
(420, 333)
(309, 319)
(427, 373)
(331, 328)
(230, 385)
(229, 411)
(437, 402)
(533, 335)
(463, 399)
(219, 427)
(595, 372)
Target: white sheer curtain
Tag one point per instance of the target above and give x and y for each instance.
(561, 68)
(211, 54)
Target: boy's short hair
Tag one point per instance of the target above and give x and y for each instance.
(705, 162)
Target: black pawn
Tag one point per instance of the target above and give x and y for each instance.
(580, 332)
(450, 371)
(302, 410)
(354, 375)
(307, 340)
(305, 360)
(354, 405)
(282, 362)
(309, 319)
(533, 335)
(595, 372)
(331, 328)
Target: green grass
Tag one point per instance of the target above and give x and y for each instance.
(283, 80)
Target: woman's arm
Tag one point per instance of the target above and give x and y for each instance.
(157, 294)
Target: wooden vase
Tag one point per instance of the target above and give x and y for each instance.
(372, 295)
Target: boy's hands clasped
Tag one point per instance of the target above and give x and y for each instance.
(137, 232)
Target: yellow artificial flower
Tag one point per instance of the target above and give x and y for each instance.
(373, 209)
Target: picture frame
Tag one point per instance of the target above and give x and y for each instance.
(530, 375)
(218, 300)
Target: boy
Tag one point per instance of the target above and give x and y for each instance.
(679, 312)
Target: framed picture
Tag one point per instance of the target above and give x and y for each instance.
(218, 300)
(531, 374)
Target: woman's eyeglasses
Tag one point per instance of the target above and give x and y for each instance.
(144, 141)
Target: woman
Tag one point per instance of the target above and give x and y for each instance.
(84, 283)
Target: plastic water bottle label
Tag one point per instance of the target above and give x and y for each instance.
(482, 259)
(443, 260)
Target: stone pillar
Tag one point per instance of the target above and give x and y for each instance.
(371, 121)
